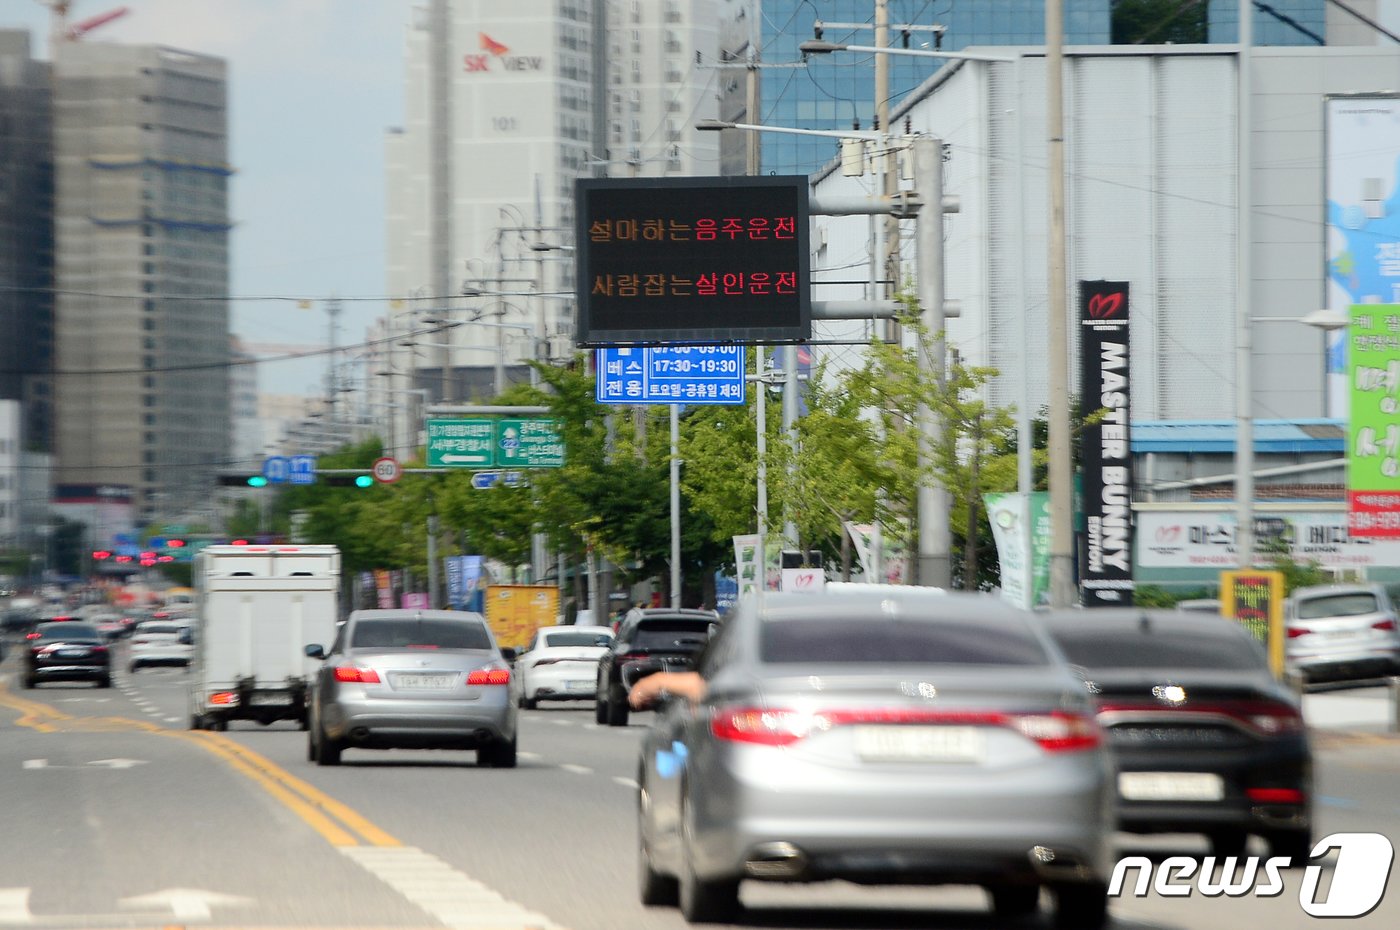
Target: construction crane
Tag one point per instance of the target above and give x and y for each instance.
(60, 29)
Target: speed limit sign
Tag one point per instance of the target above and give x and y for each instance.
(386, 470)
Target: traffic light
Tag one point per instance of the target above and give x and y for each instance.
(346, 481)
(242, 481)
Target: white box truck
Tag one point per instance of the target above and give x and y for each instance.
(257, 608)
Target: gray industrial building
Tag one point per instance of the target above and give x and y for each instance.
(141, 235)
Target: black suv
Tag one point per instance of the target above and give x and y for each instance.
(658, 640)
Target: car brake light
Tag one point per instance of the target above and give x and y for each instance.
(1054, 732)
(1058, 731)
(765, 727)
(224, 697)
(1295, 631)
(1383, 625)
(99, 648)
(32, 635)
(489, 676)
(364, 676)
(1275, 795)
(633, 656)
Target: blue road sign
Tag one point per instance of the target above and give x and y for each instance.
(671, 375)
(276, 469)
(482, 480)
(302, 469)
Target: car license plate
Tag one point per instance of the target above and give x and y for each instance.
(423, 682)
(579, 685)
(920, 744)
(270, 699)
(1170, 786)
(72, 653)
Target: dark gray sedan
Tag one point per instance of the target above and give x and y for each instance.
(412, 679)
(893, 736)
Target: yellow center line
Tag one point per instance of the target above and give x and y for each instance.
(319, 810)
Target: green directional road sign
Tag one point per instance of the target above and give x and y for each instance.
(461, 443)
(515, 443)
(529, 444)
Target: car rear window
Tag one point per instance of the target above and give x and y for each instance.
(69, 631)
(159, 628)
(435, 634)
(577, 639)
(660, 634)
(894, 640)
(1351, 604)
(1100, 649)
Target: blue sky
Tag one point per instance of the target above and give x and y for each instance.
(313, 84)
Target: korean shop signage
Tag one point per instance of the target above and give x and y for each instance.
(692, 260)
(1373, 441)
(1107, 567)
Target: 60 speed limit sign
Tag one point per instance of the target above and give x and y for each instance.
(386, 470)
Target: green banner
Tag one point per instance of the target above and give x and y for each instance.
(1025, 577)
(1373, 437)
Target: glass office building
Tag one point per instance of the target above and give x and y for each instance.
(835, 91)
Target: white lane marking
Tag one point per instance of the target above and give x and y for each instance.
(14, 906)
(562, 723)
(455, 899)
(626, 782)
(576, 769)
(530, 756)
(172, 719)
(185, 903)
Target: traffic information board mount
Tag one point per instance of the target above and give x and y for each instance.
(505, 443)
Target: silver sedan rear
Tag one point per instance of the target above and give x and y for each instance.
(413, 679)
(892, 737)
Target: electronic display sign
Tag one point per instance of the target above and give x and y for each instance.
(693, 260)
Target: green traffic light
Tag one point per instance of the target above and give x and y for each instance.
(363, 481)
(257, 481)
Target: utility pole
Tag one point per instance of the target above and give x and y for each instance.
(935, 541)
(1062, 586)
(440, 173)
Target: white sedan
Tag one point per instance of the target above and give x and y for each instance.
(561, 664)
(161, 642)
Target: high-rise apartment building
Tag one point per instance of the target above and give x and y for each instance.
(142, 321)
(506, 106)
(26, 240)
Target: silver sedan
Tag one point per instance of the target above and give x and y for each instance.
(412, 679)
(899, 736)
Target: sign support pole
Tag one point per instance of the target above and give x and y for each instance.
(675, 506)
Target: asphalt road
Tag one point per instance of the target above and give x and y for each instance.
(113, 814)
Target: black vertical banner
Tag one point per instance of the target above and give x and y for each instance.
(1106, 568)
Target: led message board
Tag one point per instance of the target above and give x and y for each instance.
(692, 260)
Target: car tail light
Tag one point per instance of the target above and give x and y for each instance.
(1295, 631)
(1383, 625)
(489, 676)
(1058, 731)
(99, 649)
(224, 697)
(1054, 732)
(1267, 718)
(1275, 795)
(32, 636)
(633, 656)
(364, 676)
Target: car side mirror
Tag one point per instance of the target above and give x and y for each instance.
(315, 651)
(509, 653)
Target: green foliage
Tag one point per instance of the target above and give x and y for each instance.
(1148, 595)
(1278, 557)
